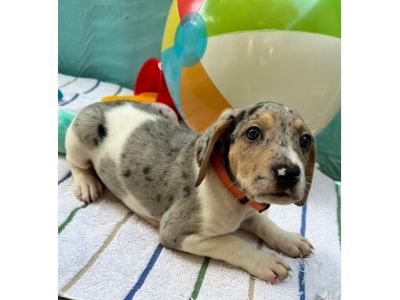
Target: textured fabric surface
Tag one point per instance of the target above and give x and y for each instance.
(109, 39)
(107, 252)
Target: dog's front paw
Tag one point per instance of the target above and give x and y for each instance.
(87, 188)
(270, 268)
(294, 245)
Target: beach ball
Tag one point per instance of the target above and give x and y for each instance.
(233, 53)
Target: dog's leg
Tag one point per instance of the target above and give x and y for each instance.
(237, 252)
(291, 243)
(87, 186)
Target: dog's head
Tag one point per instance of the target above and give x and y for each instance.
(267, 149)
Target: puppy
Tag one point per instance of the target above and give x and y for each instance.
(200, 189)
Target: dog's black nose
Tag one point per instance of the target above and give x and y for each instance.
(286, 175)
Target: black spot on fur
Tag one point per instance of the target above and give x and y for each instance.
(192, 143)
(95, 142)
(101, 131)
(186, 191)
(146, 170)
(127, 173)
(170, 198)
(232, 138)
(240, 116)
(148, 178)
(158, 198)
(199, 150)
(184, 175)
(254, 109)
(207, 141)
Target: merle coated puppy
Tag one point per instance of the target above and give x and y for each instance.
(200, 189)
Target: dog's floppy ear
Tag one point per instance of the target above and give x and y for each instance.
(309, 170)
(205, 144)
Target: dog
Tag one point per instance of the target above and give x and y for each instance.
(199, 189)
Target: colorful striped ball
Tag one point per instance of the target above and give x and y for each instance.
(234, 53)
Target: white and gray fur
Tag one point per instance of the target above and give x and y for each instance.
(150, 161)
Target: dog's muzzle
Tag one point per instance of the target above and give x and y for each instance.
(286, 175)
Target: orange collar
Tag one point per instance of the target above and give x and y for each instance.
(224, 177)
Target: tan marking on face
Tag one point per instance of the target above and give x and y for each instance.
(299, 125)
(266, 120)
(246, 158)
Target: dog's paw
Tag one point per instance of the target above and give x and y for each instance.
(87, 188)
(294, 245)
(270, 268)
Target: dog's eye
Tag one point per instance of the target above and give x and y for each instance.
(305, 141)
(253, 133)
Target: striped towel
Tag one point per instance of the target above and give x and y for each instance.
(107, 252)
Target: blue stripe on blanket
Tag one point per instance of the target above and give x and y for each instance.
(92, 88)
(77, 94)
(301, 267)
(145, 272)
(118, 91)
(66, 176)
(74, 97)
(68, 83)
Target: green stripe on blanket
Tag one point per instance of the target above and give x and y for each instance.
(200, 278)
(338, 212)
(70, 217)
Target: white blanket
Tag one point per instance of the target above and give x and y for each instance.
(107, 252)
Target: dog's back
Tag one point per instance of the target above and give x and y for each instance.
(135, 149)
